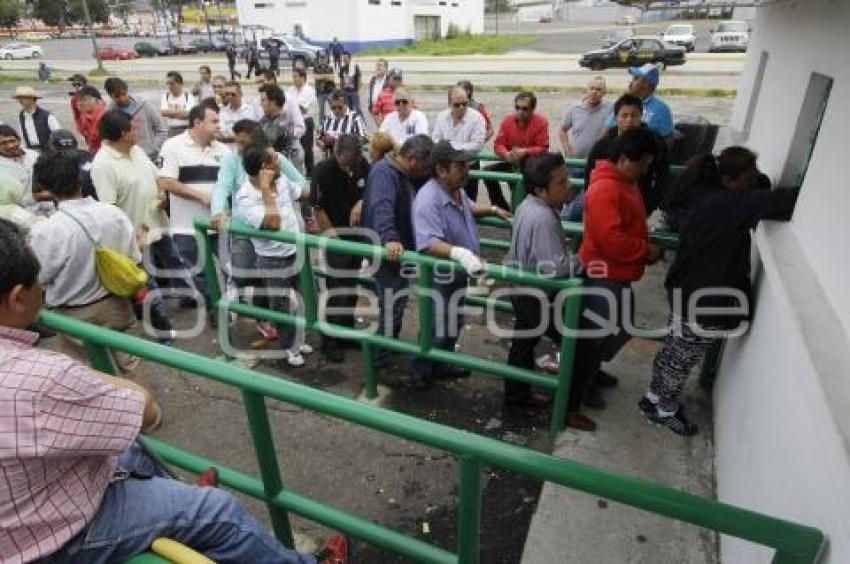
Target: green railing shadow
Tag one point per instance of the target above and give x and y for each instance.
(794, 543)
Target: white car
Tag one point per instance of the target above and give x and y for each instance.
(683, 35)
(730, 36)
(20, 50)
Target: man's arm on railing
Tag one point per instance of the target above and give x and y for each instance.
(152, 411)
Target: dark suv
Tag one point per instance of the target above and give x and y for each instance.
(292, 48)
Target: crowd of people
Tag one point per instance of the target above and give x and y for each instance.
(303, 158)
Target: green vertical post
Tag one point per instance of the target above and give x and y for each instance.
(100, 358)
(572, 311)
(517, 194)
(210, 272)
(469, 511)
(370, 378)
(307, 283)
(424, 279)
(261, 434)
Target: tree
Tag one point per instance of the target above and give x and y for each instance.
(122, 10)
(51, 12)
(10, 13)
(98, 10)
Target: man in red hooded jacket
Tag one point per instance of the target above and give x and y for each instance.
(614, 251)
(88, 107)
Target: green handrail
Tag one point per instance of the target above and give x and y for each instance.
(559, 384)
(794, 543)
(492, 156)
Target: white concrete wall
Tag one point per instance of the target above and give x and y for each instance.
(782, 402)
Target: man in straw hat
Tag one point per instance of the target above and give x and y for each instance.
(36, 123)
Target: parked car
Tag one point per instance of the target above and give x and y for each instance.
(683, 35)
(634, 52)
(292, 48)
(204, 45)
(148, 49)
(616, 35)
(21, 50)
(115, 53)
(730, 36)
(177, 47)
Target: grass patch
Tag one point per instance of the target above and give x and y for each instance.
(458, 45)
(100, 71)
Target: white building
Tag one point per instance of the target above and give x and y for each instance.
(362, 24)
(782, 401)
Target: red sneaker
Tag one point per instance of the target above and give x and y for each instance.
(208, 478)
(267, 330)
(337, 550)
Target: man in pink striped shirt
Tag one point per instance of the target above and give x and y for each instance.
(74, 484)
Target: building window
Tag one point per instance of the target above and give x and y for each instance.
(259, 5)
(806, 132)
(375, 2)
(395, 3)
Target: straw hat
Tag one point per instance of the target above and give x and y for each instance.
(26, 92)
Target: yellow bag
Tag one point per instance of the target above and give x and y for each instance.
(117, 272)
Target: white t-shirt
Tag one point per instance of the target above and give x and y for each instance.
(32, 134)
(228, 117)
(196, 167)
(400, 131)
(251, 209)
(184, 101)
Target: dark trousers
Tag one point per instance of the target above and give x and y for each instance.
(274, 273)
(353, 98)
(447, 324)
(307, 145)
(255, 67)
(528, 314)
(188, 249)
(392, 289)
(592, 351)
(471, 186)
(342, 289)
(494, 189)
(234, 74)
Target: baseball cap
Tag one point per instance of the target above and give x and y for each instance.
(443, 152)
(394, 72)
(63, 139)
(78, 79)
(649, 71)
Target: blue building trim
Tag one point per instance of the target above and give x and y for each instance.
(355, 46)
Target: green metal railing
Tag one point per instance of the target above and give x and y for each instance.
(794, 543)
(425, 266)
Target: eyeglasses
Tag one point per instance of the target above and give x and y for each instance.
(522, 108)
(460, 104)
(401, 102)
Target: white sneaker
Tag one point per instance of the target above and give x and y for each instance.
(294, 358)
(305, 349)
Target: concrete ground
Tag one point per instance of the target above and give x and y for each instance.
(413, 488)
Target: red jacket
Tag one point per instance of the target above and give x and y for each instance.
(534, 136)
(87, 124)
(385, 104)
(616, 240)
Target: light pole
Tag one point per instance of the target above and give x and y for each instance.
(207, 19)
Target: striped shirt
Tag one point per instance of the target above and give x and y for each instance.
(196, 167)
(61, 430)
(351, 123)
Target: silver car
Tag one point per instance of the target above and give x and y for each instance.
(20, 50)
(730, 36)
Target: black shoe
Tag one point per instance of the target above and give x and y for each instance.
(419, 383)
(594, 399)
(213, 318)
(529, 401)
(188, 303)
(677, 422)
(332, 351)
(605, 380)
(452, 372)
(647, 407)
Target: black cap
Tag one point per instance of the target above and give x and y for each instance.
(443, 153)
(63, 139)
(78, 78)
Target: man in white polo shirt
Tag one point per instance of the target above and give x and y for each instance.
(406, 121)
(176, 103)
(190, 164)
(235, 109)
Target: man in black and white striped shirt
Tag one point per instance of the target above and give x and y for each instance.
(340, 120)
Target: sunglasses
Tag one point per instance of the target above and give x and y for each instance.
(401, 102)
(522, 108)
(460, 104)
(338, 108)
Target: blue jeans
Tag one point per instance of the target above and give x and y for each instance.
(446, 326)
(392, 290)
(276, 286)
(147, 505)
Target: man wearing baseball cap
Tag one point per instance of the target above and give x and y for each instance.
(656, 112)
(385, 104)
(444, 227)
(36, 123)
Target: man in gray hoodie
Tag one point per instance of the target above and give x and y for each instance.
(151, 131)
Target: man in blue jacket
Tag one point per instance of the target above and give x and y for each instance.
(387, 203)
